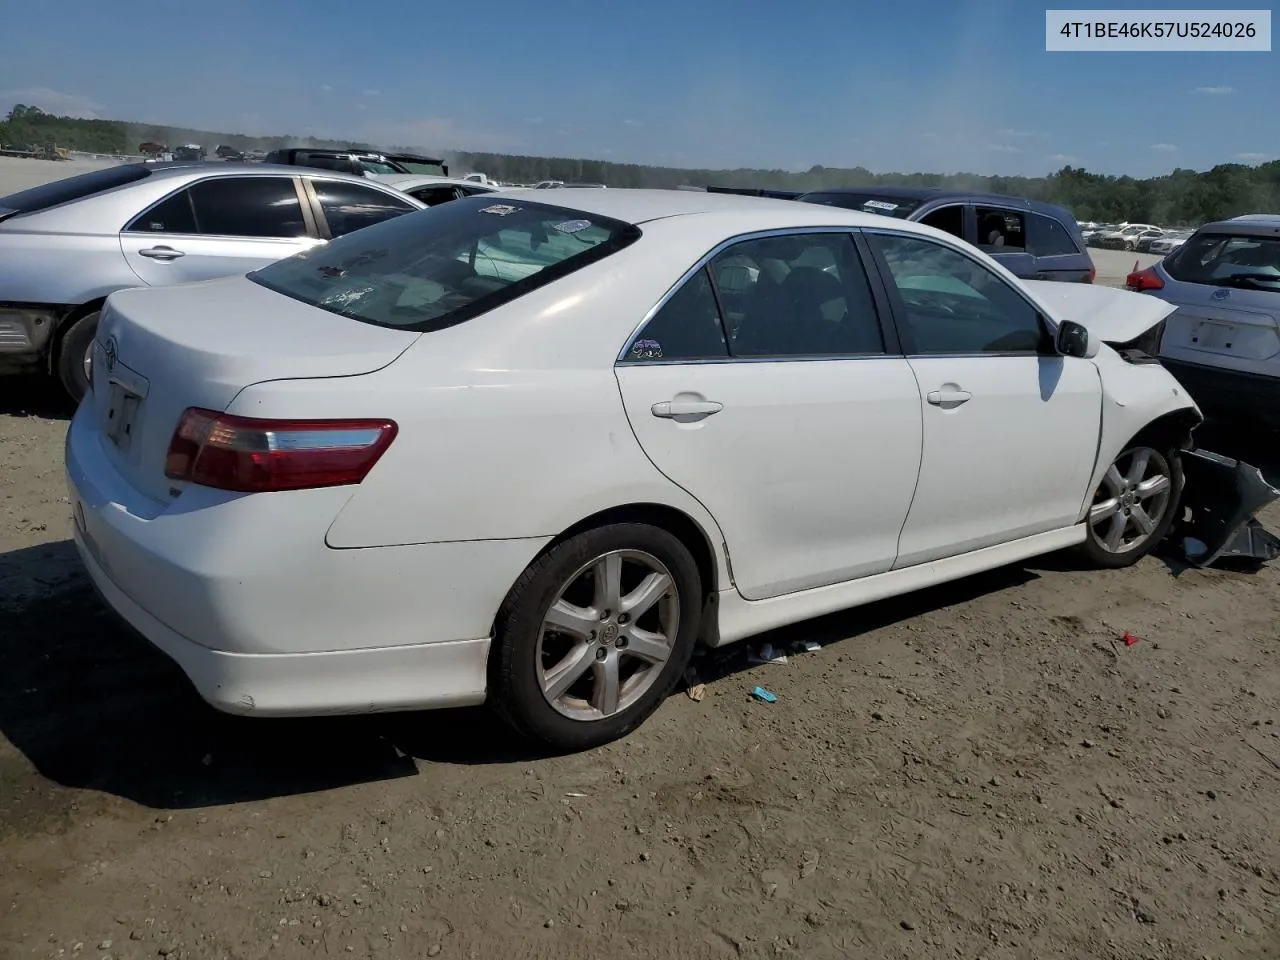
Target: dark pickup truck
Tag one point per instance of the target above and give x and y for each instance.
(359, 162)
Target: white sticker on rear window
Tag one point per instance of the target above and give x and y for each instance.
(572, 226)
(501, 209)
(880, 205)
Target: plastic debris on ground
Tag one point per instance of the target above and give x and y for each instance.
(1129, 639)
(760, 693)
(766, 654)
(806, 646)
(694, 686)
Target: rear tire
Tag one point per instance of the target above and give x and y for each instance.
(1134, 506)
(595, 635)
(74, 355)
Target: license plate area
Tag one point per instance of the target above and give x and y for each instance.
(1214, 335)
(120, 415)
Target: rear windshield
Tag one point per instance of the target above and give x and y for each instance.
(885, 206)
(446, 264)
(73, 188)
(423, 166)
(1228, 260)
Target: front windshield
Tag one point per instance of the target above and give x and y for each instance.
(446, 264)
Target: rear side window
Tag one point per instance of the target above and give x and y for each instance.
(1046, 237)
(439, 267)
(433, 196)
(1228, 260)
(265, 207)
(73, 188)
(248, 207)
(686, 327)
(352, 206)
(1001, 231)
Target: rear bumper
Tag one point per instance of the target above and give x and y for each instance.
(1229, 392)
(264, 618)
(417, 677)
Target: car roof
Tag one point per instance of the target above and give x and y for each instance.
(941, 193)
(1253, 224)
(641, 206)
(225, 168)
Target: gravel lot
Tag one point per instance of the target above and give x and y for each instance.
(981, 770)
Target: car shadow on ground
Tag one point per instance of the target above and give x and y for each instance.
(34, 396)
(92, 705)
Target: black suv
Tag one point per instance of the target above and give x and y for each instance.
(358, 162)
(1033, 240)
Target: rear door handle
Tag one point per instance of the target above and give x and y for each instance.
(161, 253)
(686, 409)
(949, 397)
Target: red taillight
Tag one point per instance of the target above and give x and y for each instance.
(1142, 280)
(1093, 274)
(256, 456)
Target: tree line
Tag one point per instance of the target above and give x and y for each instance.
(1187, 197)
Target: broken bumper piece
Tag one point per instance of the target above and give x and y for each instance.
(1219, 499)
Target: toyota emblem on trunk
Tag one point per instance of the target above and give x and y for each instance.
(111, 352)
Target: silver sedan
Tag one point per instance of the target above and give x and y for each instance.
(65, 246)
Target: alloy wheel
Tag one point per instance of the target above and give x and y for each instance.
(607, 635)
(1131, 501)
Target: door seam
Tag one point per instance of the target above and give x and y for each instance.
(919, 468)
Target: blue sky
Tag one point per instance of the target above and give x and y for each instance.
(936, 86)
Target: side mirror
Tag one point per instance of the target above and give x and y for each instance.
(1075, 340)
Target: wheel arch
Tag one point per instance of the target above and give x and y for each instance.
(67, 321)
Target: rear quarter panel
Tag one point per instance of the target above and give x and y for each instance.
(68, 269)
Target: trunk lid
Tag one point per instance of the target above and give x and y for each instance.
(1229, 325)
(163, 349)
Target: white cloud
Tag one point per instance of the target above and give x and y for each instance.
(52, 101)
(1249, 157)
(1036, 134)
(362, 106)
(370, 93)
(1061, 158)
(633, 123)
(1219, 91)
(1002, 148)
(1164, 147)
(326, 88)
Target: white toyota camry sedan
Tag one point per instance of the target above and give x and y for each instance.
(532, 453)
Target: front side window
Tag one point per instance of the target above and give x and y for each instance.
(1001, 231)
(1048, 238)
(352, 206)
(441, 266)
(1228, 260)
(432, 196)
(954, 305)
(796, 295)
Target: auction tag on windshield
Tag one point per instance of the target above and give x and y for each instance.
(880, 205)
(572, 226)
(500, 209)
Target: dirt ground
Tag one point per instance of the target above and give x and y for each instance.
(982, 770)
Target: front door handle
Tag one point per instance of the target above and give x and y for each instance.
(949, 397)
(687, 410)
(161, 253)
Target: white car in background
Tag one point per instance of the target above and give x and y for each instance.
(433, 190)
(1126, 237)
(533, 452)
(1167, 244)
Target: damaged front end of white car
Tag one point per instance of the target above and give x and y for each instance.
(1221, 495)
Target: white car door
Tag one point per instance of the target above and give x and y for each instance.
(217, 227)
(1010, 426)
(778, 402)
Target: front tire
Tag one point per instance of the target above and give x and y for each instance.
(595, 634)
(1133, 507)
(75, 355)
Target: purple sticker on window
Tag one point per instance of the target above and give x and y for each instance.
(646, 350)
